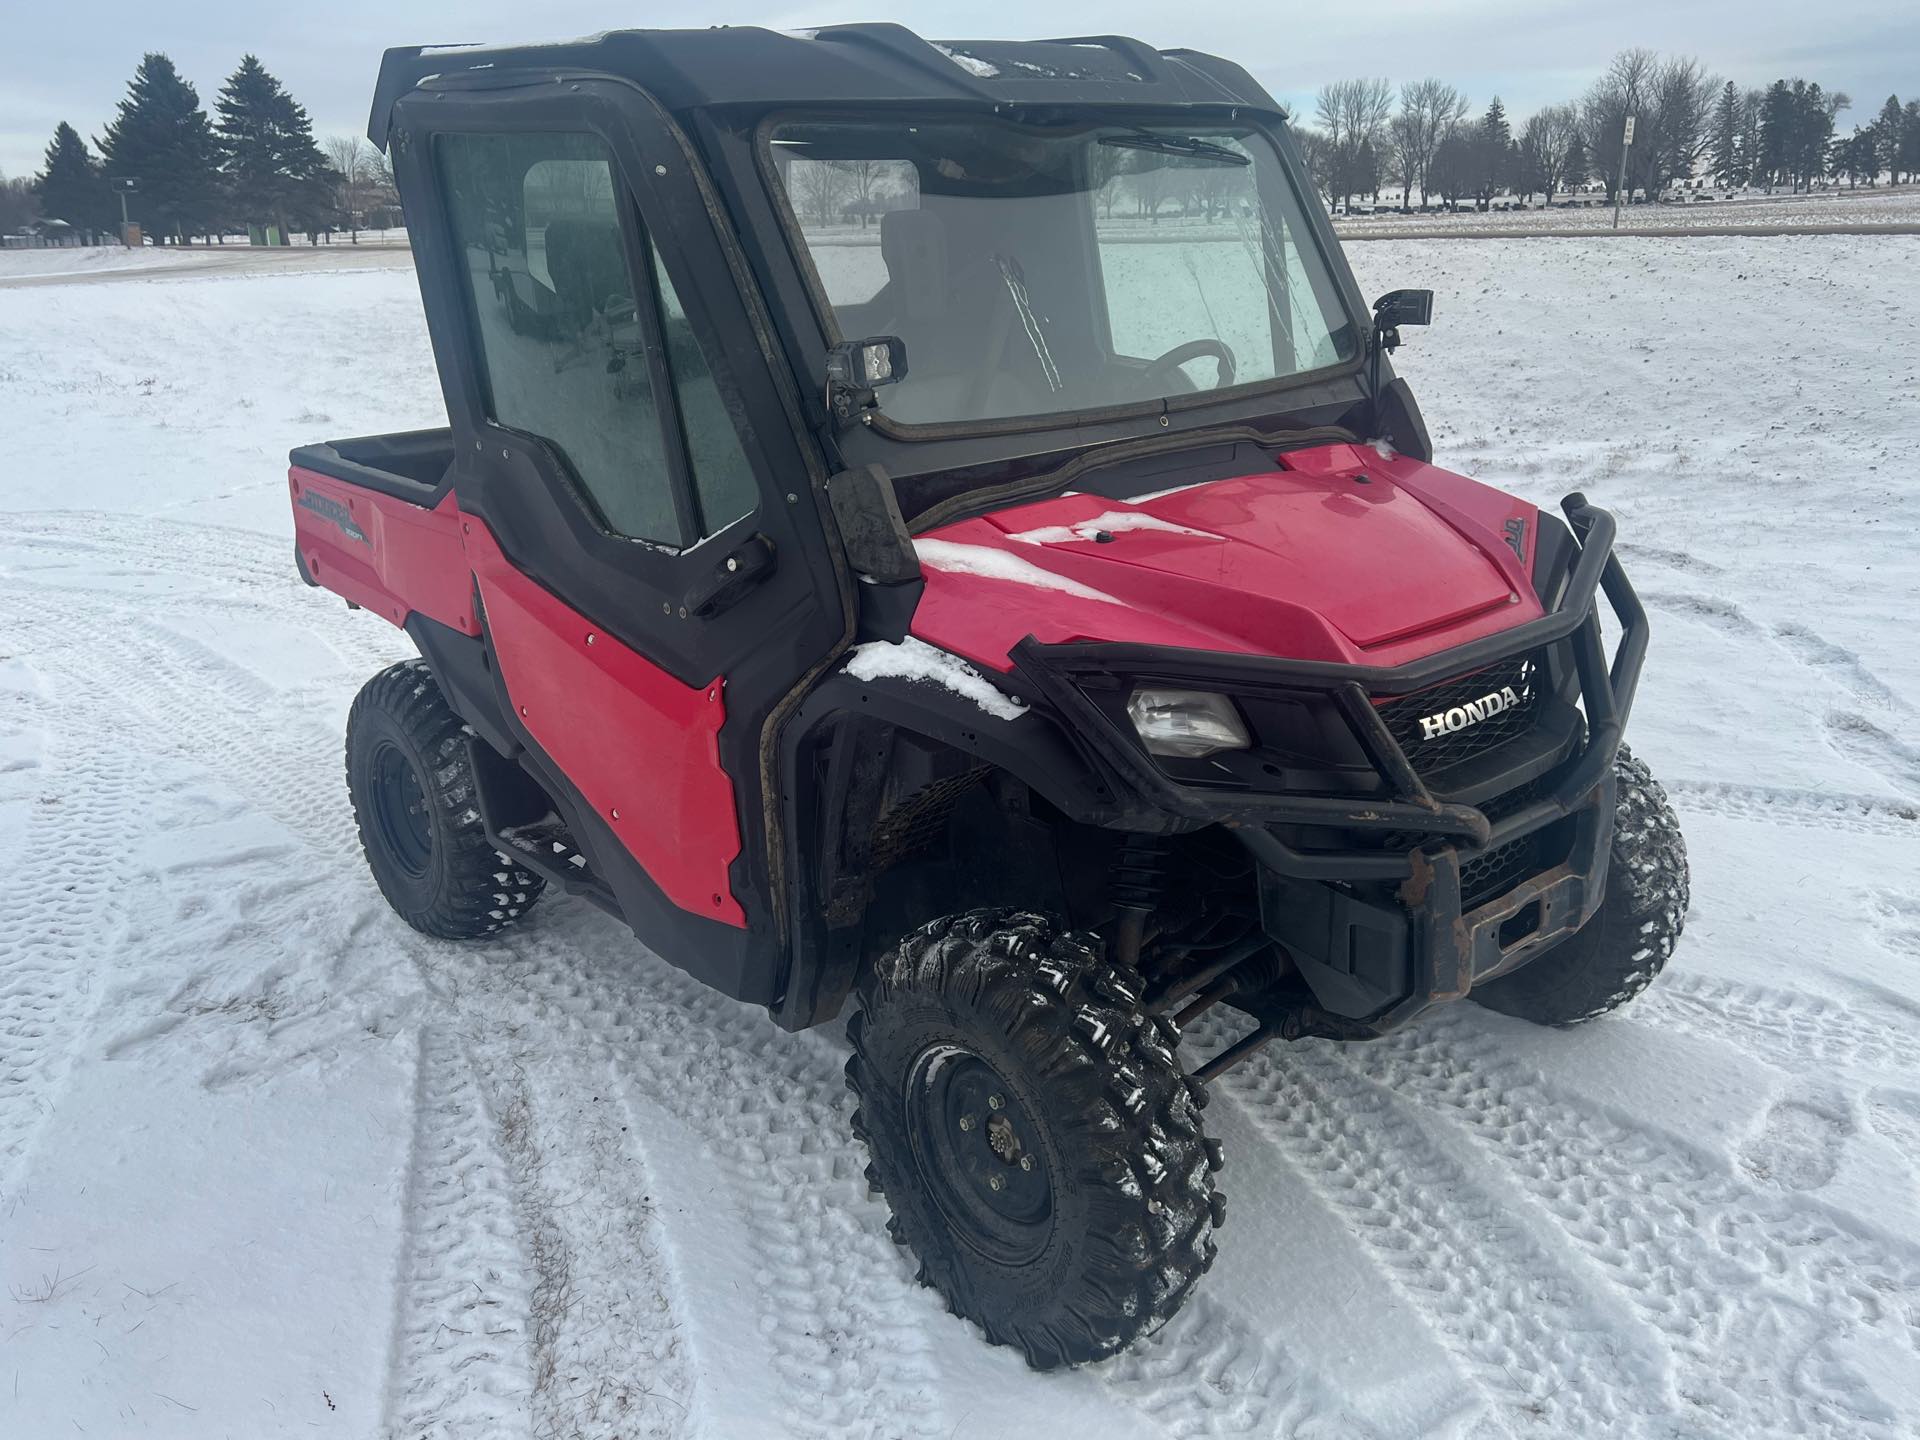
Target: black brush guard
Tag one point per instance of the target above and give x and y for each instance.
(1380, 965)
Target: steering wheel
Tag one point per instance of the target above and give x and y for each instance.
(1161, 371)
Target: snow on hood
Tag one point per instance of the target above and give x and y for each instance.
(1112, 522)
(982, 560)
(1336, 554)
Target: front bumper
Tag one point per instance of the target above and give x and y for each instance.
(1382, 961)
(1390, 936)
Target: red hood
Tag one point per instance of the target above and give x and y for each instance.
(1337, 555)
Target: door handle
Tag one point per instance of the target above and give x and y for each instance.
(737, 573)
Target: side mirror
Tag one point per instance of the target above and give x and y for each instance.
(1403, 307)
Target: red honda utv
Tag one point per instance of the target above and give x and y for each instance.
(934, 526)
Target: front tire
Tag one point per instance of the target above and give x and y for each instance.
(1631, 936)
(414, 800)
(1034, 1134)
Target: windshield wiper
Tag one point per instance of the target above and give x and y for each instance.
(1190, 146)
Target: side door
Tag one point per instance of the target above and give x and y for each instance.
(639, 504)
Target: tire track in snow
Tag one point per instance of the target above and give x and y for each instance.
(1866, 744)
(849, 1348)
(288, 762)
(1530, 1338)
(1789, 1029)
(1778, 805)
(1205, 1372)
(606, 1356)
(223, 556)
(270, 746)
(80, 802)
(271, 1014)
(1815, 651)
(1731, 1276)
(461, 1355)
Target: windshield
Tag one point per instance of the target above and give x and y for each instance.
(1031, 270)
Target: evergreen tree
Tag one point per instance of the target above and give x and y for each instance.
(1887, 131)
(1909, 152)
(275, 173)
(1778, 126)
(70, 185)
(162, 139)
(1728, 126)
(1753, 107)
(1858, 158)
(1813, 131)
(1495, 160)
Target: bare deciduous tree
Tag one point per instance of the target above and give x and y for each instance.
(1682, 105)
(1428, 109)
(349, 155)
(1546, 144)
(19, 206)
(1624, 90)
(820, 186)
(1354, 115)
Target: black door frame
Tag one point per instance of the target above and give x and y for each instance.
(777, 637)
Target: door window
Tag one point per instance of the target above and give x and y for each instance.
(545, 237)
(721, 478)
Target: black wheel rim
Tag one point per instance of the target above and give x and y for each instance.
(400, 810)
(980, 1155)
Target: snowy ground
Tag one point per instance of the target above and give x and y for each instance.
(1749, 211)
(66, 264)
(272, 1164)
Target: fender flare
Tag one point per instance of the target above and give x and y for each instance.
(841, 711)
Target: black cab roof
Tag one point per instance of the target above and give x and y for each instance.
(879, 63)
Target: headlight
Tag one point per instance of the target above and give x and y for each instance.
(1187, 723)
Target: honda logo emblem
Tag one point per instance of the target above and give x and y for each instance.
(1448, 722)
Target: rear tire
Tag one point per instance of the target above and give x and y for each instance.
(414, 800)
(1631, 937)
(1034, 1134)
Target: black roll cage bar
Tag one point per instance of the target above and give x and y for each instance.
(1606, 689)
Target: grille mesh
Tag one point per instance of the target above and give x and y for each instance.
(1492, 873)
(1522, 674)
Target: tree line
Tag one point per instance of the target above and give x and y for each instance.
(1688, 125)
(187, 174)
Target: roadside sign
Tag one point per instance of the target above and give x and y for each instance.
(1627, 139)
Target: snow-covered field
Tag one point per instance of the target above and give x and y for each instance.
(64, 264)
(1746, 211)
(272, 1164)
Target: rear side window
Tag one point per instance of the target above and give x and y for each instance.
(546, 235)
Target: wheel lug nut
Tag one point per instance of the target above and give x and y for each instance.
(997, 1182)
(994, 1102)
(1026, 1162)
(966, 1122)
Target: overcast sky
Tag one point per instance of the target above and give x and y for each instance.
(65, 61)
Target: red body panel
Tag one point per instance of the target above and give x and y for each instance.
(391, 557)
(639, 746)
(1310, 561)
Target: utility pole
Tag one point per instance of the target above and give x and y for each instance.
(1620, 185)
